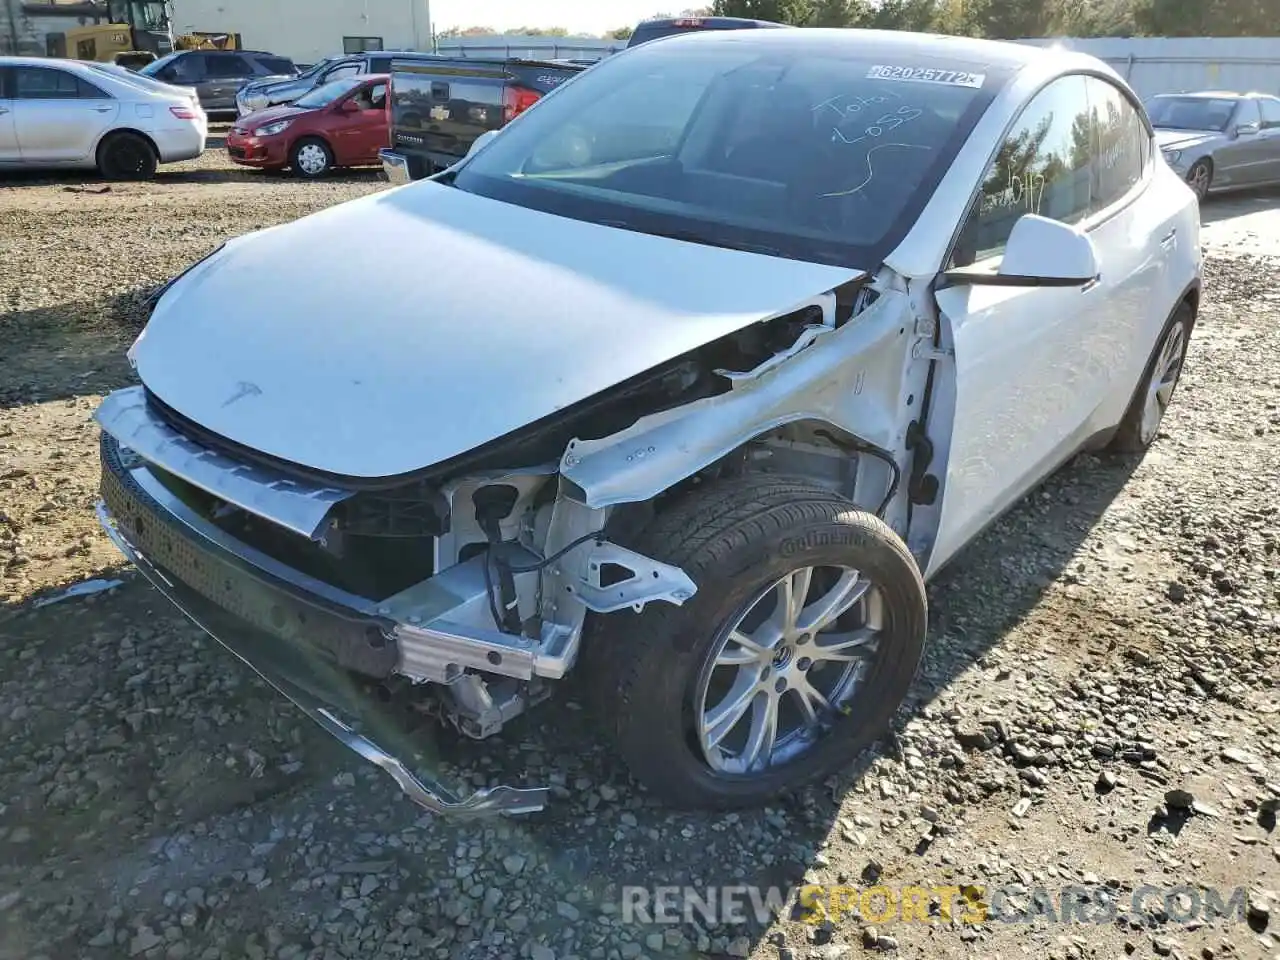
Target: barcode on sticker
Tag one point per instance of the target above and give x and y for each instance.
(953, 78)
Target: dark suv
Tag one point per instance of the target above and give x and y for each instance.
(262, 94)
(671, 26)
(216, 75)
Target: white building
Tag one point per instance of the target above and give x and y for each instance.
(307, 30)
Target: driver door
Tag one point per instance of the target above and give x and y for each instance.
(357, 137)
(1025, 383)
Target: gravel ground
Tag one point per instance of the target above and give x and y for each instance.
(1100, 704)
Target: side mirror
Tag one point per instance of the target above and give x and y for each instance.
(1246, 129)
(481, 141)
(349, 106)
(1040, 253)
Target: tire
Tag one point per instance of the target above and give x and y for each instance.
(1141, 423)
(311, 158)
(1200, 176)
(127, 156)
(649, 673)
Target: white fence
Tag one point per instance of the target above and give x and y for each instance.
(1182, 64)
(528, 48)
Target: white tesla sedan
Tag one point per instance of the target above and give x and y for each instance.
(68, 114)
(689, 379)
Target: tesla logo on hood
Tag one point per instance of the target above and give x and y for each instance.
(243, 390)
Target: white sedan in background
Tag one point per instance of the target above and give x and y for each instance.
(70, 114)
(730, 345)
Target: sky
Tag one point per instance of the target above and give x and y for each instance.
(586, 16)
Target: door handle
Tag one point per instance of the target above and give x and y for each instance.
(3, 110)
(1169, 237)
(1091, 284)
(103, 109)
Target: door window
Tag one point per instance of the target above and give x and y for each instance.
(227, 68)
(1042, 167)
(1270, 113)
(179, 69)
(1121, 144)
(43, 83)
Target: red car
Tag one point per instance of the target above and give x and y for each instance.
(341, 124)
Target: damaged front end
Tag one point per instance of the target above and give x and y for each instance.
(465, 597)
(462, 590)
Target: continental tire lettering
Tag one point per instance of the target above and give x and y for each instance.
(821, 538)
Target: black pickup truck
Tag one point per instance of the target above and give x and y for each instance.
(437, 108)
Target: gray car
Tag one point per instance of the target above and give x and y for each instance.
(218, 74)
(1219, 140)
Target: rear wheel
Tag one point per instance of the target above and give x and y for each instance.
(1199, 177)
(311, 158)
(1141, 423)
(791, 659)
(127, 156)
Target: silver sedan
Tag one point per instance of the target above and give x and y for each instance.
(70, 114)
(1219, 141)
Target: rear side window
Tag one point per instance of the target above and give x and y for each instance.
(277, 65)
(1042, 167)
(43, 83)
(1121, 145)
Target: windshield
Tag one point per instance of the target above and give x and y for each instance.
(315, 69)
(141, 14)
(327, 94)
(153, 68)
(799, 149)
(134, 78)
(1191, 113)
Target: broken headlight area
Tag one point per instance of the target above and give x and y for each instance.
(460, 591)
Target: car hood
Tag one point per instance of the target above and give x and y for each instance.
(1183, 139)
(391, 333)
(270, 85)
(262, 117)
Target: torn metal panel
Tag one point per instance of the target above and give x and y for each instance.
(850, 377)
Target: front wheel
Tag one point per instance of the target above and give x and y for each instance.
(792, 658)
(1199, 177)
(311, 158)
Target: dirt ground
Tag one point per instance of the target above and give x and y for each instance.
(1100, 706)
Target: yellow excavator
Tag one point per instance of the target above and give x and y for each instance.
(131, 33)
(113, 43)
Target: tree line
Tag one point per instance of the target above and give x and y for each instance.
(1017, 19)
(998, 19)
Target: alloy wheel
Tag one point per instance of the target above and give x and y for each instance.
(787, 668)
(1164, 378)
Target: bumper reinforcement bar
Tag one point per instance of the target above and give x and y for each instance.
(299, 679)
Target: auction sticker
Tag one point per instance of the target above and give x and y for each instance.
(951, 78)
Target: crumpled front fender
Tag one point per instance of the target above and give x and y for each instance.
(851, 378)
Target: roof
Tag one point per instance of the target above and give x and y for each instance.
(894, 45)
